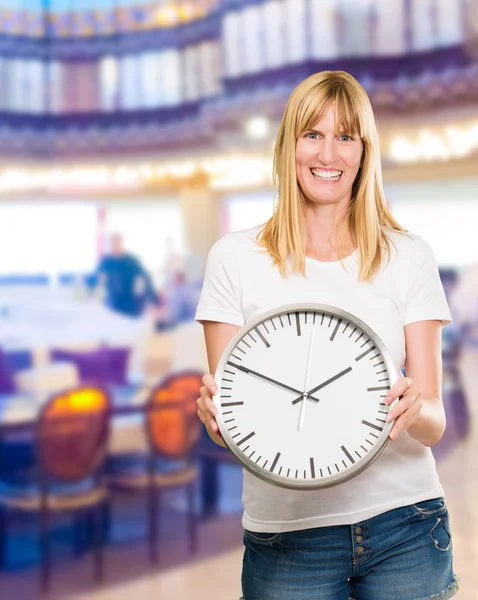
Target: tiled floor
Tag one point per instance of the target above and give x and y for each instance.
(218, 578)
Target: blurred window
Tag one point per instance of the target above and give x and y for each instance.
(150, 65)
(190, 70)
(55, 77)
(273, 16)
(241, 211)
(209, 69)
(356, 27)
(233, 40)
(170, 77)
(53, 237)
(3, 84)
(296, 26)
(450, 22)
(389, 28)
(423, 18)
(414, 204)
(35, 73)
(252, 26)
(109, 83)
(322, 29)
(131, 97)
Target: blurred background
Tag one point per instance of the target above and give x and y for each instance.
(133, 134)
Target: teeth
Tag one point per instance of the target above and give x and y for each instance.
(327, 175)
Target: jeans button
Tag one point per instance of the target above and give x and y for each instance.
(358, 530)
(360, 550)
(359, 539)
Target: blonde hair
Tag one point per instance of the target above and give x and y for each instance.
(367, 214)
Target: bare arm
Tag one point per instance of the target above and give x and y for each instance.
(218, 336)
(420, 410)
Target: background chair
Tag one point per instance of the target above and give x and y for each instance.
(173, 432)
(71, 441)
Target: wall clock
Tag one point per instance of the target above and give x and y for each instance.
(301, 400)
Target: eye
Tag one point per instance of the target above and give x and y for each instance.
(346, 138)
(311, 133)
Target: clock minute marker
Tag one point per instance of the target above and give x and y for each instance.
(262, 338)
(248, 437)
(365, 353)
(274, 463)
(297, 322)
(372, 425)
(378, 389)
(339, 322)
(347, 454)
(232, 403)
(312, 467)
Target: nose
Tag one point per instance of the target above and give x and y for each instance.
(327, 151)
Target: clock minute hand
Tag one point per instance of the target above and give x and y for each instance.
(322, 385)
(283, 385)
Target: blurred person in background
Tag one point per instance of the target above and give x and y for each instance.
(464, 303)
(124, 283)
(383, 534)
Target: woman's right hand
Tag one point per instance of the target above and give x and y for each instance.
(207, 411)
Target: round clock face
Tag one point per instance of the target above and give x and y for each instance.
(301, 399)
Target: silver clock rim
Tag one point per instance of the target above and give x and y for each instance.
(303, 484)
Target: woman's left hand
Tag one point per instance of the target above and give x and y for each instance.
(407, 410)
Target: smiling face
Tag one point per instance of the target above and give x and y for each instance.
(327, 161)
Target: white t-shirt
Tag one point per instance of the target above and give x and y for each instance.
(241, 283)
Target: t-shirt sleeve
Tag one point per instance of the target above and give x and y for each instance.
(426, 299)
(220, 298)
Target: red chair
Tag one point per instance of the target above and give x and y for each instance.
(71, 443)
(173, 431)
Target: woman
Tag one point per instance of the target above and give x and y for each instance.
(383, 535)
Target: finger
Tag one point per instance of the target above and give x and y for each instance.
(206, 403)
(405, 420)
(209, 382)
(399, 389)
(405, 403)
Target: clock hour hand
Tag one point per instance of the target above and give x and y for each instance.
(322, 385)
(261, 376)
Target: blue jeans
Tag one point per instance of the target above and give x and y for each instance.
(403, 554)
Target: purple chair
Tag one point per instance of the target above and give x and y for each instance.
(7, 384)
(103, 365)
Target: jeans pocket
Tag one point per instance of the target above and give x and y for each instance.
(441, 534)
(260, 537)
(429, 508)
